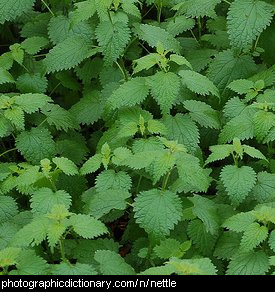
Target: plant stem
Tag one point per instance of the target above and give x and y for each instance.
(48, 8)
(148, 11)
(229, 3)
(10, 150)
(55, 88)
(123, 71)
(256, 43)
(199, 27)
(52, 184)
(110, 17)
(138, 185)
(235, 160)
(159, 12)
(62, 250)
(165, 180)
(44, 121)
(193, 35)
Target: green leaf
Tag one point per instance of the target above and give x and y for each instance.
(111, 263)
(198, 83)
(16, 116)
(91, 165)
(238, 182)
(32, 233)
(62, 27)
(154, 35)
(84, 10)
(241, 86)
(59, 117)
(87, 226)
(219, 152)
(66, 165)
(112, 38)
(202, 113)
(69, 269)
(199, 8)
(204, 241)
(109, 179)
(171, 248)
(179, 24)
(146, 62)
(227, 67)
(102, 202)
(253, 236)
(240, 222)
(136, 88)
(9, 10)
(182, 129)
(81, 110)
(54, 233)
(248, 263)
(264, 190)
(243, 28)
(8, 208)
(157, 211)
(263, 122)
(239, 127)
(164, 88)
(32, 83)
(162, 165)
(253, 152)
(202, 266)
(5, 76)
(191, 173)
(34, 44)
(206, 210)
(32, 102)
(271, 240)
(8, 256)
(68, 54)
(36, 144)
(44, 199)
(28, 263)
(227, 245)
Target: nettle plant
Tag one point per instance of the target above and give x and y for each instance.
(137, 137)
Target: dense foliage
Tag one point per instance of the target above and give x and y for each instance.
(137, 137)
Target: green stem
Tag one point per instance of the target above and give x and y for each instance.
(227, 2)
(52, 184)
(193, 35)
(123, 71)
(55, 88)
(44, 121)
(200, 27)
(148, 11)
(6, 152)
(138, 185)
(235, 160)
(25, 68)
(110, 17)
(256, 43)
(165, 180)
(41, 55)
(62, 250)
(149, 253)
(159, 12)
(48, 8)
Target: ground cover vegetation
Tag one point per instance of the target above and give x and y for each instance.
(137, 137)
